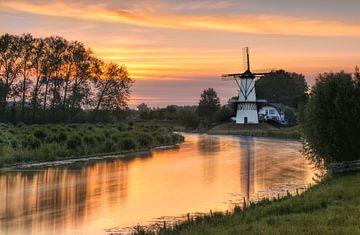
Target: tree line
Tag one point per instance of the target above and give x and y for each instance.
(55, 80)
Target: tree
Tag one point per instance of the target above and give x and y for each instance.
(113, 87)
(282, 87)
(57, 77)
(223, 114)
(330, 119)
(357, 74)
(209, 103)
(143, 110)
(10, 66)
(26, 52)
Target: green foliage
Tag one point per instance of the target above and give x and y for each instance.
(329, 207)
(40, 134)
(282, 87)
(58, 141)
(223, 114)
(145, 140)
(208, 105)
(74, 142)
(29, 142)
(290, 116)
(330, 119)
(127, 144)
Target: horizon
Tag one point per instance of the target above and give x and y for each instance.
(183, 48)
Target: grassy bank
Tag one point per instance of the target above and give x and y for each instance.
(35, 143)
(331, 207)
(258, 130)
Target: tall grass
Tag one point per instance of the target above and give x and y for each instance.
(25, 143)
(331, 207)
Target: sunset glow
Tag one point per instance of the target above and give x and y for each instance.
(175, 50)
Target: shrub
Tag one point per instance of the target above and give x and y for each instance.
(62, 137)
(89, 140)
(127, 144)
(144, 139)
(330, 119)
(30, 142)
(110, 146)
(40, 134)
(74, 142)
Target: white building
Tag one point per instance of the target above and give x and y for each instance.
(271, 111)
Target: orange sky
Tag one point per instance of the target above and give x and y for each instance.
(175, 49)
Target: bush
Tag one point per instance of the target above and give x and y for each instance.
(127, 144)
(74, 142)
(30, 142)
(40, 134)
(144, 139)
(62, 137)
(330, 119)
(110, 146)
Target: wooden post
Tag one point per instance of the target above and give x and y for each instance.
(297, 191)
(164, 224)
(211, 214)
(188, 217)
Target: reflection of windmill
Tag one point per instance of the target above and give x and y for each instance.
(246, 103)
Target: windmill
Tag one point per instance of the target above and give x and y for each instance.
(247, 111)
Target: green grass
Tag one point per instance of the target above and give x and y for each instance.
(331, 207)
(35, 143)
(258, 130)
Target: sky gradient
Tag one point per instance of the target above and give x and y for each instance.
(176, 49)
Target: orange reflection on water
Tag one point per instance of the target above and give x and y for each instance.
(205, 173)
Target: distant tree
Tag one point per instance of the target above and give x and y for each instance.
(330, 119)
(209, 103)
(144, 111)
(223, 114)
(26, 52)
(10, 66)
(282, 87)
(188, 117)
(357, 74)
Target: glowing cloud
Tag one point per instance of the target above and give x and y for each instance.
(259, 24)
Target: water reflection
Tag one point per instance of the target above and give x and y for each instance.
(205, 173)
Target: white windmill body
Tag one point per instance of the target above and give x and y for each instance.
(246, 105)
(247, 111)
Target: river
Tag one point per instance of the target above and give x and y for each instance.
(99, 197)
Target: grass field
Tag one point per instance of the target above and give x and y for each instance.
(49, 142)
(331, 207)
(259, 130)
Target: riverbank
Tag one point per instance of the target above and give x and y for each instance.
(24, 144)
(331, 207)
(256, 130)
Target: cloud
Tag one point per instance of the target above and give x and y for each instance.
(257, 24)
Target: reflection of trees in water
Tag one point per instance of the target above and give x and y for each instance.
(209, 146)
(58, 197)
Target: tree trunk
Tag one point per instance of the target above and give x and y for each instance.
(101, 96)
(23, 92)
(46, 91)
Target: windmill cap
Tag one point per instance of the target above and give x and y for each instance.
(247, 74)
